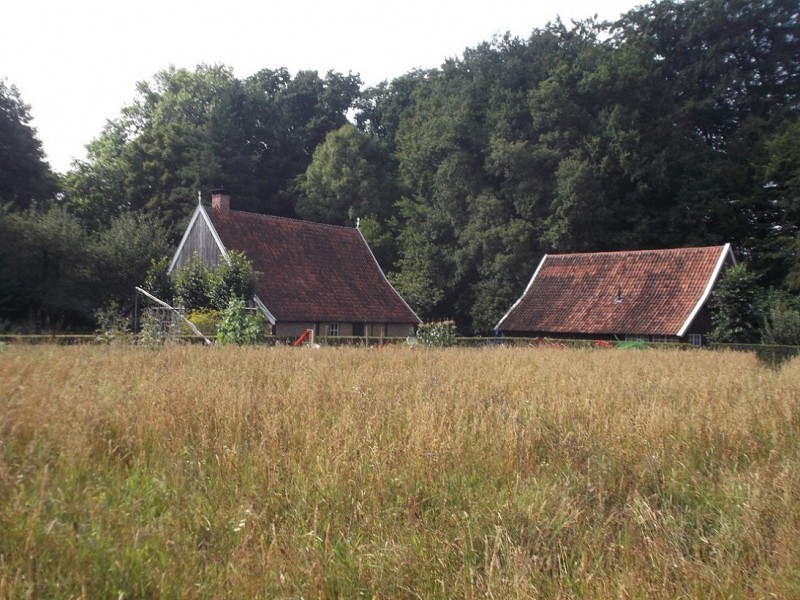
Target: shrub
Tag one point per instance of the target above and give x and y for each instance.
(240, 326)
(158, 282)
(112, 325)
(206, 320)
(441, 334)
(193, 284)
(151, 334)
(781, 324)
(196, 286)
(234, 280)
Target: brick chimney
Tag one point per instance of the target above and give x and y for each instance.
(220, 200)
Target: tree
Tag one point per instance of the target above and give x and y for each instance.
(346, 179)
(25, 176)
(122, 255)
(189, 131)
(733, 303)
(44, 269)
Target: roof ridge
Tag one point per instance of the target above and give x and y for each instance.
(291, 220)
(640, 251)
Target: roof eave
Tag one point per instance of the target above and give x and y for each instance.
(263, 308)
(378, 266)
(724, 254)
(528, 287)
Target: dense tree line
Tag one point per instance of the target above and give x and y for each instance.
(675, 125)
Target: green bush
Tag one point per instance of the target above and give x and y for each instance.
(158, 282)
(781, 324)
(151, 334)
(112, 325)
(206, 320)
(198, 287)
(193, 284)
(234, 280)
(733, 303)
(240, 326)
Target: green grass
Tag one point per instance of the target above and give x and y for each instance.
(284, 472)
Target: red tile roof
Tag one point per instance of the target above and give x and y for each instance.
(312, 272)
(661, 290)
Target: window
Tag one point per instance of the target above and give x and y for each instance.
(333, 330)
(664, 339)
(695, 339)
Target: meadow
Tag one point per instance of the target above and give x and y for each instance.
(231, 472)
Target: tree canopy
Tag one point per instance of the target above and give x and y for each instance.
(25, 176)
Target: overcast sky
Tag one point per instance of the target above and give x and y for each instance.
(76, 63)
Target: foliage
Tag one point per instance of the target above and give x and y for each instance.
(45, 270)
(440, 334)
(124, 253)
(234, 279)
(151, 333)
(346, 179)
(733, 303)
(25, 177)
(206, 320)
(381, 239)
(194, 284)
(240, 326)
(195, 130)
(158, 282)
(518, 473)
(55, 274)
(781, 314)
(113, 326)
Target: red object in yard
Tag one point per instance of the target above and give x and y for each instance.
(307, 335)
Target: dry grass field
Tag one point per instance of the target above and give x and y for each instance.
(461, 473)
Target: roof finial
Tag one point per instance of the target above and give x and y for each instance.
(358, 222)
(199, 197)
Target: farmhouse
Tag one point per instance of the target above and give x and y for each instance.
(310, 275)
(650, 295)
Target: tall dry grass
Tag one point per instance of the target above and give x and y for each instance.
(228, 472)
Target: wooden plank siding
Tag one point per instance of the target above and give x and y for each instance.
(198, 239)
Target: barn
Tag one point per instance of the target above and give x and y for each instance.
(649, 295)
(310, 275)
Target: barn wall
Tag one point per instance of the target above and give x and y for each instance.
(200, 240)
(374, 331)
(291, 329)
(400, 330)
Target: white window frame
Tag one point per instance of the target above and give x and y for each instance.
(695, 339)
(333, 330)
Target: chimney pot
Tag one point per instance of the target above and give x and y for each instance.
(220, 200)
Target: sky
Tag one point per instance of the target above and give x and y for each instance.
(76, 63)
